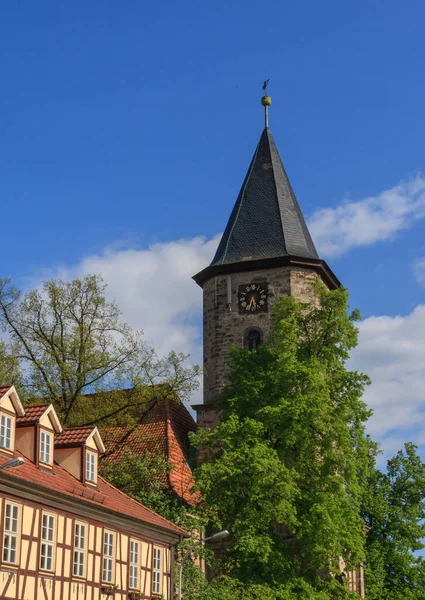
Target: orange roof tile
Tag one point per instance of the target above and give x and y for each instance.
(106, 496)
(4, 389)
(73, 435)
(164, 430)
(32, 413)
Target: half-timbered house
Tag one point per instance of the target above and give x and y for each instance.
(65, 533)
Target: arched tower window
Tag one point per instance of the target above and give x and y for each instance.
(253, 339)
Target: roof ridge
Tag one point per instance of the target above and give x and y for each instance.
(269, 135)
(79, 427)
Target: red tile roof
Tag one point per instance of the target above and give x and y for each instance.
(165, 429)
(74, 435)
(32, 413)
(4, 389)
(106, 496)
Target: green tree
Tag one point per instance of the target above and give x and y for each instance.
(394, 511)
(144, 478)
(70, 342)
(227, 588)
(10, 373)
(288, 464)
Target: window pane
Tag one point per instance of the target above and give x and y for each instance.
(156, 575)
(108, 553)
(79, 547)
(134, 564)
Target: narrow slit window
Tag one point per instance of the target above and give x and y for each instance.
(156, 571)
(79, 549)
(134, 564)
(5, 432)
(11, 532)
(45, 447)
(108, 557)
(47, 542)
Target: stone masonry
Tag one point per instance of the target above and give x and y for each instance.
(224, 326)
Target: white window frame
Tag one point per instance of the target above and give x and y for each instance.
(45, 447)
(5, 431)
(47, 551)
(91, 465)
(157, 570)
(108, 557)
(12, 515)
(80, 546)
(134, 565)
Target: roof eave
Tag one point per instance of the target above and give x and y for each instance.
(67, 501)
(315, 264)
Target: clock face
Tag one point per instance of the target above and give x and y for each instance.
(252, 298)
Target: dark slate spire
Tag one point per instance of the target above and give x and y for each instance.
(266, 221)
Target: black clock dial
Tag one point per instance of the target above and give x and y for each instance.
(252, 298)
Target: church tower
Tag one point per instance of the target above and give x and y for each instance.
(266, 252)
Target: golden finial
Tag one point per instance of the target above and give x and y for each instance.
(266, 102)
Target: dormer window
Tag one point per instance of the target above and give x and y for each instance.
(46, 447)
(91, 467)
(35, 434)
(6, 432)
(10, 409)
(77, 450)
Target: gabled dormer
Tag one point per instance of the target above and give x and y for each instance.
(77, 450)
(35, 434)
(10, 410)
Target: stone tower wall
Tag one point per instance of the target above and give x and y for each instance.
(225, 327)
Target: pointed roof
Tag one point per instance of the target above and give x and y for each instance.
(266, 224)
(266, 221)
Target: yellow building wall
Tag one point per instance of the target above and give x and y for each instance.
(26, 582)
(90, 443)
(46, 422)
(6, 403)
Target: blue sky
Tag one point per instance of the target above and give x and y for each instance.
(126, 130)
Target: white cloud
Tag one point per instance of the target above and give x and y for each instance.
(391, 351)
(419, 270)
(369, 220)
(154, 289)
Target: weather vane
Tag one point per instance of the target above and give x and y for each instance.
(266, 102)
